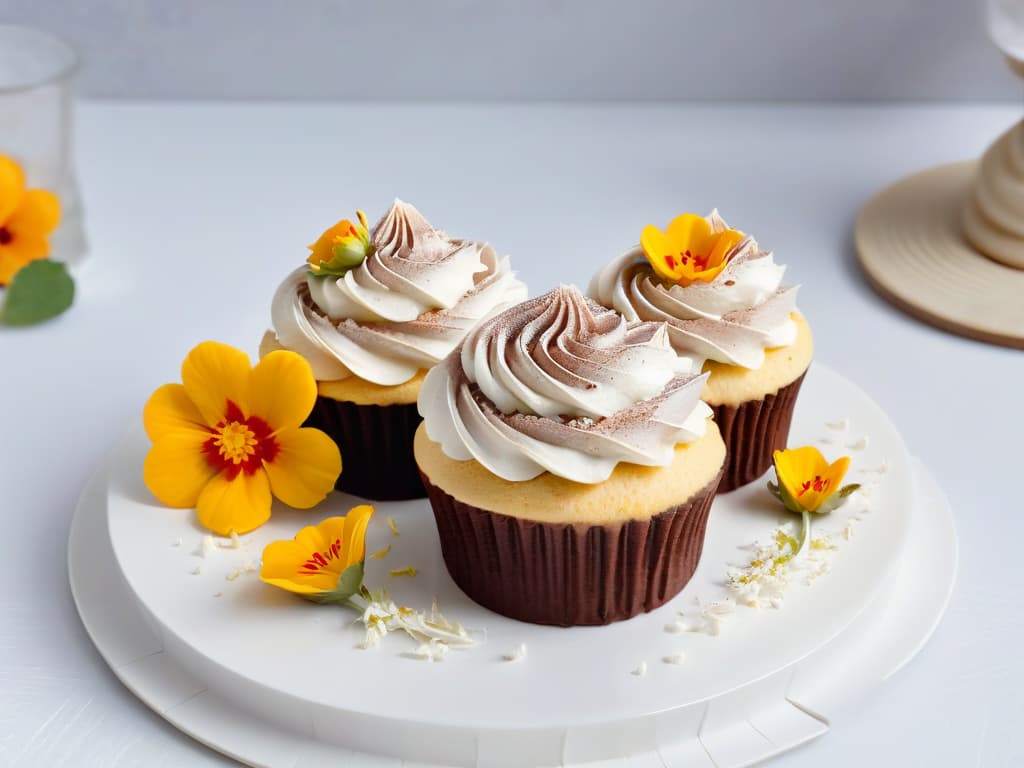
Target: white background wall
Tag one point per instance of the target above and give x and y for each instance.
(722, 50)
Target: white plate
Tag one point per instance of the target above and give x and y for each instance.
(294, 667)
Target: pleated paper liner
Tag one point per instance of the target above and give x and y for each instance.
(570, 574)
(752, 431)
(376, 447)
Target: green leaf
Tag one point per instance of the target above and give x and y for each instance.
(39, 291)
(349, 584)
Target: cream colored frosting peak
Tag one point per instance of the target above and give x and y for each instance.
(560, 384)
(733, 319)
(403, 309)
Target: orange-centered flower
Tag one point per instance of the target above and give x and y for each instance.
(229, 438)
(689, 250)
(340, 248)
(323, 562)
(806, 479)
(27, 216)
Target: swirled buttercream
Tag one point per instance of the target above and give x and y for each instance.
(733, 319)
(404, 308)
(560, 384)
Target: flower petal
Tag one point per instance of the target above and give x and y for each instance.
(305, 468)
(170, 409)
(321, 250)
(655, 246)
(281, 563)
(724, 243)
(355, 532)
(175, 469)
(688, 230)
(238, 505)
(214, 373)
(37, 214)
(282, 389)
(12, 187)
(17, 253)
(796, 465)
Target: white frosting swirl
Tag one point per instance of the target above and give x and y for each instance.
(404, 308)
(732, 319)
(560, 384)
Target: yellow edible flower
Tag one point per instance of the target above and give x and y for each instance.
(229, 437)
(340, 248)
(324, 562)
(689, 250)
(806, 479)
(27, 217)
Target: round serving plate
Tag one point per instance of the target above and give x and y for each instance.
(264, 677)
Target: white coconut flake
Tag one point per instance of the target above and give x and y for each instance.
(675, 658)
(516, 654)
(431, 651)
(382, 615)
(640, 671)
(848, 530)
(235, 542)
(197, 570)
(207, 546)
(858, 445)
(218, 594)
(249, 566)
(839, 426)
(176, 543)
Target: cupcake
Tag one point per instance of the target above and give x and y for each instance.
(569, 461)
(726, 311)
(372, 312)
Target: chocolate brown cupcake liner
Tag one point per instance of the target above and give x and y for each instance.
(752, 431)
(570, 574)
(376, 447)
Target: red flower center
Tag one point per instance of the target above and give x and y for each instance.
(239, 444)
(700, 263)
(5, 235)
(318, 562)
(817, 484)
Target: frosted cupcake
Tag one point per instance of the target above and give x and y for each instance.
(372, 312)
(726, 310)
(569, 461)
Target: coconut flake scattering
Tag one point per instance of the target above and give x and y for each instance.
(383, 616)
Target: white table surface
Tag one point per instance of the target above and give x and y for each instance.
(196, 211)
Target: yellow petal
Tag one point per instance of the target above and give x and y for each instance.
(19, 252)
(282, 561)
(317, 557)
(322, 249)
(305, 467)
(688, 230)
(170, 409)
(175, 469)
(724, 243)
(239, 505)
(12, 187)
(355, 532)
(37, 214)
(656, 246)
(796, 465)
(214, 373)
(282, 390)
